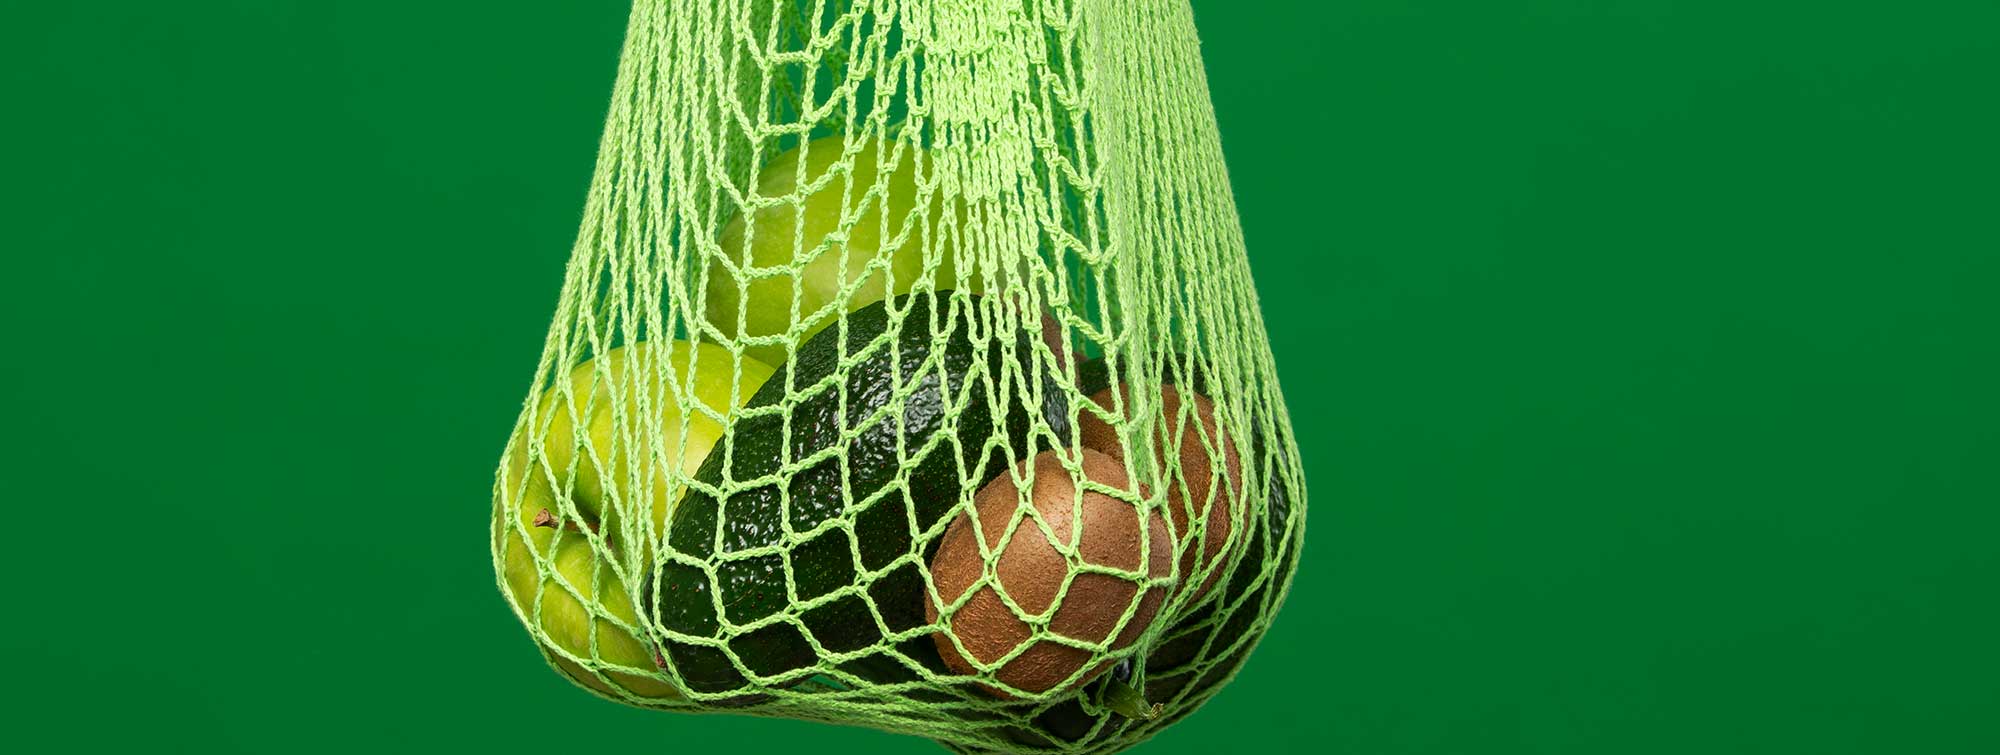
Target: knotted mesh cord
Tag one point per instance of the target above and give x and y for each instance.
(1064, 160)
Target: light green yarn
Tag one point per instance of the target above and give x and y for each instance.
(1063, 159)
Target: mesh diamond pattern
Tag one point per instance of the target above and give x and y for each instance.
(843, 265)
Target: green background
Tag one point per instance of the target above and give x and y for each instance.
(1642, 355)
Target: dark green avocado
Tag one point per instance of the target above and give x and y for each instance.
(784, 541)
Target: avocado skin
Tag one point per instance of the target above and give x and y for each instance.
(756, 447)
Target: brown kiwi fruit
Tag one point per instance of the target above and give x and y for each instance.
(1197, 468)
(1032, 572)
(1056, 337)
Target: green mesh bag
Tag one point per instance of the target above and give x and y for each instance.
(907, 373)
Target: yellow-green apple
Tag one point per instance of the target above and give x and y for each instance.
(561, 534)
(669, 397)
(843, 232)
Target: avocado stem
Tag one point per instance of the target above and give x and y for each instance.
(1127, 701)
(545, 519)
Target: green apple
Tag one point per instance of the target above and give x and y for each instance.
(586, 623)
(555, 508)
(790, 254)
(643, 440)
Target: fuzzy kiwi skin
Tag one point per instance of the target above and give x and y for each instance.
(1213, 500)
(1032, 572)
(1176, 673)
(1057, 338)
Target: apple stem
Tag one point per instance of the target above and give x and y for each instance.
(545, 519)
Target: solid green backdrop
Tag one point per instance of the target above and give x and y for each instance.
(1642, 355)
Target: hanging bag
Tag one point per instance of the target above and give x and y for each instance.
(907, 373)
